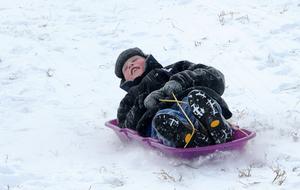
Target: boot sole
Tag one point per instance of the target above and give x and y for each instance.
(206, 111)
(173, 130)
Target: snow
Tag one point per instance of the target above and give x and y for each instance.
(58, 88)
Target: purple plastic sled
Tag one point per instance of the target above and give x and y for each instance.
(240, 138)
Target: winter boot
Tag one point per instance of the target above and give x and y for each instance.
(174, 133)
(208, 112)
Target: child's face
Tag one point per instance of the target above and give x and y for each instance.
(133, 67)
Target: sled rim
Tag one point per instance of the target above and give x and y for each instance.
(238, 143)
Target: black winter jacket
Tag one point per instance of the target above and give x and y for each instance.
(132, 112)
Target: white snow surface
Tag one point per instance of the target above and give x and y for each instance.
(58, 88)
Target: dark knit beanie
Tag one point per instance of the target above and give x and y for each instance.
(124, 56)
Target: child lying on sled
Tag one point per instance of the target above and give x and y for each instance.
(179, 104)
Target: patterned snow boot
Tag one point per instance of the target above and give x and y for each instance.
(175, 134)
(208, 112)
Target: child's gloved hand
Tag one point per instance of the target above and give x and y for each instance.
(172, 86)
(153, 98)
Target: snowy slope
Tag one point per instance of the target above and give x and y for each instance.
(58, 88)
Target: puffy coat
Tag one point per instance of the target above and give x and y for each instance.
(132, 112)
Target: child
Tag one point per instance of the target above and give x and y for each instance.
(151, 106)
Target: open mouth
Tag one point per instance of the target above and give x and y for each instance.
(133, 70)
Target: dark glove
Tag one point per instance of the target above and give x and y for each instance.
(153, 98)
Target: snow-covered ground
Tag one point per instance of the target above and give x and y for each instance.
(58, 88)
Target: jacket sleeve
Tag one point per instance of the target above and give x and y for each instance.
(201, 75)
(153, 81)
(131, 108)
(124, 107)
(134, 115)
